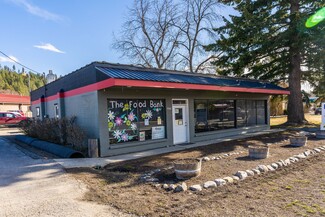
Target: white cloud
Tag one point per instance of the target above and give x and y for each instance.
(49, 47)
(12, 59)
(37, 11)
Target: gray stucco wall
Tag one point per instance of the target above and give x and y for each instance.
(84, 107)
(91, 112)
(168, 95)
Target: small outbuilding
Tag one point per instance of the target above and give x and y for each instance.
(129, 108)
(11, 102)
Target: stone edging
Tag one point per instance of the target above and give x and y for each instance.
(148, 176)
(240, 175)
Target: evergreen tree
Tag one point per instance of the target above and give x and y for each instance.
(268, 40)
(18, 83)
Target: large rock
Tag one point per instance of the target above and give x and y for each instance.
(280, 164)
(229, 179)
(300, 156)
(249, 172)
(275, 166)
(287, 162)
(256, 171)
(262, 168)
(206, 159)
(171, 187)
(196, 188)
(307, 153)
(241, 174)
(209, 184)
(317, 150)
(181, 187)
(165, 186)
(293, 160)
(220, 182)
(270, 168)
(235, 178)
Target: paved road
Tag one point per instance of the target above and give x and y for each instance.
(39, 187)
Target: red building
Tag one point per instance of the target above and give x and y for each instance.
(10, 102)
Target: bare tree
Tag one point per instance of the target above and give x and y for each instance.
(168, 35)
(149, 37)
(197, 25)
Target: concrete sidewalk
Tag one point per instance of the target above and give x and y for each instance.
(91, 162)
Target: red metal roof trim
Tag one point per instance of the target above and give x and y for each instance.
(8, 98)
(153, 84)
(111, 82)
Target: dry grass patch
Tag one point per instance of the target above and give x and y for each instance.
(265, 195)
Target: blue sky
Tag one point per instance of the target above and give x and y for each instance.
(62, 35)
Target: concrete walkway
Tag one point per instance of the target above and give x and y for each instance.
(91, 162)
(30, 187)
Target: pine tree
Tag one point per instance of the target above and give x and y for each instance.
(18, 83)
(268, 40)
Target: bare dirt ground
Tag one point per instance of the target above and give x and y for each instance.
(296, 190)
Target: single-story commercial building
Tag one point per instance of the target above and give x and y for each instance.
(129, 108)
(10, 102)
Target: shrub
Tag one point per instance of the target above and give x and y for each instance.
(62, 131)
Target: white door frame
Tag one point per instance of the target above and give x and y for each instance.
(186, 115)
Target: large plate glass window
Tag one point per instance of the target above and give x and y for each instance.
(213, 115)
(251, 112)
(136, 120)
(261, 112)
(241, 113)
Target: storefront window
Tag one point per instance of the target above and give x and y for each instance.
(201, 115)
(213, 115)
(251, 112)
(136, 120)
(241, 113)
(261, 112)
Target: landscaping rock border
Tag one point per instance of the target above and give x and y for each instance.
(242, 175)
(148, 177)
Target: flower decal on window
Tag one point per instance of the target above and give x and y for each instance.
(117, 134)
(131, 116)
(111, 116)
(128, 123)
(118, 121)
(110, 125)
(125, 137)
(134, 126)
(126, 107)
(149, 114)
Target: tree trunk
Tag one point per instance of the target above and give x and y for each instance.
(295, 105)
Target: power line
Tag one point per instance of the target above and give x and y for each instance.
(18, 62)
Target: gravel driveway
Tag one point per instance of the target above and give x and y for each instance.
(40, 187)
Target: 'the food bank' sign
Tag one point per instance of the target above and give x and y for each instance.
(137, 104)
